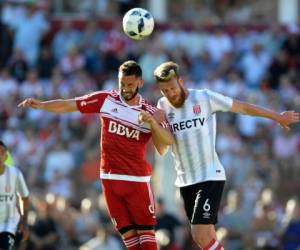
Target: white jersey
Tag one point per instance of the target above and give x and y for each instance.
(194, 128)
(12, 184)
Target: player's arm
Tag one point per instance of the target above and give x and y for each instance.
(58, 105)
(162, 137)
(284, 119)
(23, 226)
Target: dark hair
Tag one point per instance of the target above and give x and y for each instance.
(2, 144)
(129, 68)
(166, 71)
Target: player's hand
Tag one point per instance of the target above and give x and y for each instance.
(30, 103)
(145, 117)
(24, 231)
(288, 117)
(159, 116)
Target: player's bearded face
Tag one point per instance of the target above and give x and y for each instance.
(129, 86)
(174, 92)
(128, 95)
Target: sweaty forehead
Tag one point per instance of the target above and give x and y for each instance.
(127, 79)
(169, 84)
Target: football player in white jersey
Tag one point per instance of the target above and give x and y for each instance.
(12, 185)
(200, 175)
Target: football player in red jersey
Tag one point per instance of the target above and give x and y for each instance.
(128, 122)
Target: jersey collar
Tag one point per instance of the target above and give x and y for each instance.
(133, 106)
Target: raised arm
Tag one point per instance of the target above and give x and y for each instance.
(57, 106)
(162, 137)
(284, 119)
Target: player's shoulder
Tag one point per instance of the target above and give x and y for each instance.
(97, 94)
(13, 170)
(204, 92)
(147, 106)
(199, 91)
(161, 101)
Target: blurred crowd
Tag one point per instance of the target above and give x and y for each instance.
(59, 154)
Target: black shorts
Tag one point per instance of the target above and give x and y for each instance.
(7, 241)
(202, 201)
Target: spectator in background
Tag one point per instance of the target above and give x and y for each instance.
(103, 240)
(218, 44)
(279, 66)
(72, 62)
(291, 239)
(291, 45)
(86, 222)
(5, 44)
(43, 231)
(29, 31)
(92, 37)
(64, 40)
(57, 157)
(254, 65)
(8, 84)
(32, 85)
(151, 59)
(236, 220)
(45, 63)
(201, 66)
(11, 12)
(167, 222)
(18, 66)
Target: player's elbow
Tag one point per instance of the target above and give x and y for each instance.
(170, 141)
(162, 150)
(239, 107)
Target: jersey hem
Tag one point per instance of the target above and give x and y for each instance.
(196, 182)
(125, 177)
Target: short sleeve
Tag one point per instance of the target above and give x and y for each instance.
(219, 102)
(91, 103)
(22, 188)
(163, 121)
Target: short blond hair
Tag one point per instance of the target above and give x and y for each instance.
(166, 71)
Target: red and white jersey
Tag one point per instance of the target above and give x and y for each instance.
(123, 139)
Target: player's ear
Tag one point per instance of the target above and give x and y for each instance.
(181, 82)
(141, 83)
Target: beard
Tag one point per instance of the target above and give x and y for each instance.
(130, 95)
(179, 101)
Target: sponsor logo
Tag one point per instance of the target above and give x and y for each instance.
(115, 110)
(196, 109)
(192, 123)
(83, 103)
(171, 116)
(206, 215)
(11, 241)
(7, 189)
(119, 129)
(6, 197)
(151, 210)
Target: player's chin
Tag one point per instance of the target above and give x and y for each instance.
(177, 103)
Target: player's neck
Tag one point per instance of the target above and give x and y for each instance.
(135, 101)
